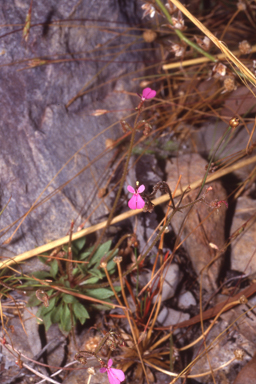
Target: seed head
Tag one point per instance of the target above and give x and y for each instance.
(149, 36)
(241, 6)
(239, 354)
(118, 259)
(229, 84)
(245, 47)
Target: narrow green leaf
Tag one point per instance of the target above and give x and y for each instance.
(45, 310)
(99, 293)
(80, 312)
(42, 275)
(101, 251)
(54, 268)
(43, 259)
(66, 283)
(79, 243)
(84, 255)
(96, 272)
(82, 268)
(56, 314)
(69, 299)
(65, 319)
(114, 254)
(50, 292)
(92, 280)
(111, 266)
(101, 307)
(33, 301)
(47, 321)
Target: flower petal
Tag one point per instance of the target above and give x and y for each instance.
(132, 203)
(148, 93)
(130, 189)
(141, 188)
(102, 370)
(112, 376)
(140, 202)
(118, 373)
(110, 362)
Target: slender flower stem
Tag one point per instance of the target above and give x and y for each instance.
(40, 374)
(189, 376)
(210, 346)
(138, 272)
(137, 347)
(120, 187)
(212, 158)
(59, 371)
(118, 261)
(111, 286)
(210, 327)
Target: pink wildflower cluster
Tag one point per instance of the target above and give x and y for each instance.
(136, 202)
(115, 376)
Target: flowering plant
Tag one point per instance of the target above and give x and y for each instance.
(115, 376)
(148, 93)
(136, 202)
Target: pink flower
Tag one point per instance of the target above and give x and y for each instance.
(115, 376)
(148, 93)
(136, 202)
(217, 204)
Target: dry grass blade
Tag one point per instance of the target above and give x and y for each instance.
(229, 55)
(64, 240)
(201, 60)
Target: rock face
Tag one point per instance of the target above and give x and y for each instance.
(207, 138)
(198, 236)
(243, 256)
(41, 129)
(248, 373)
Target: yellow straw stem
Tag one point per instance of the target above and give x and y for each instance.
(162, 199)
(201, 60)
(228, 54)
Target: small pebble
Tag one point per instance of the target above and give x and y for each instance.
(186, 299)
(169, 316)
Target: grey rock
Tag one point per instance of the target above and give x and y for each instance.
(171, 278)
(248, 373)
(208, 136)
(243, 257)
(186, 299)
(198, 236)
(223, 349)
(40, 132)
(169, 316)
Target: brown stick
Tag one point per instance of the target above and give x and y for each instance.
(212, 312)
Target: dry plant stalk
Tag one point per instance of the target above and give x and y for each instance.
(162, 199)
(229, 55)
(201, 60)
